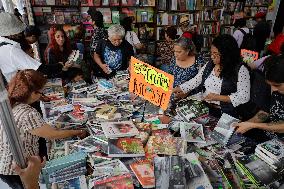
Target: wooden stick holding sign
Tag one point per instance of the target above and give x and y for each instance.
(249, 56)
(150, 83)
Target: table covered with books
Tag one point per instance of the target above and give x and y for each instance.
(129, 147)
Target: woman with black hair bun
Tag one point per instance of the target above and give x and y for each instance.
(224, 81)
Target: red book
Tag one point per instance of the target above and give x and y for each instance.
(144, 172)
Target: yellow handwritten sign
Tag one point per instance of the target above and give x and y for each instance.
(150, 83)
(249, 56)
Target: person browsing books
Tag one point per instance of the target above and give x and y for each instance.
(58, 52)
(186, 63)
(113, 54)
(271, 122)
(224, 83)
(24, 89)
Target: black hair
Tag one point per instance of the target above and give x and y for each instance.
(127, 23)
(240, 23)
(32, 30)
(25, 8)
(25, 46)
(97, 17)
(171, 32)
(73, 72)
(274, 68)
(229, 55)
(16, 10)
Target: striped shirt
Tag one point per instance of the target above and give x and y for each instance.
(27, 118)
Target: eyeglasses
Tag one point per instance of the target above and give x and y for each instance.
(215, 54)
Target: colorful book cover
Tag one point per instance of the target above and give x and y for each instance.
(192, 132)
(125, 147)
(75, 183)
(115, 17)
(161, 132)
(273, 148)
(106, 112)
(144, 172)
(119, 182)
(166, 145)
(119, 129)
(108, 169)
(91, 144)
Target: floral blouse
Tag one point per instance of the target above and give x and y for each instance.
(99, 33)
(165, 51)
(182, 75)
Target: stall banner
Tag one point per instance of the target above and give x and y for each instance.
(249, 56)
(150, 83)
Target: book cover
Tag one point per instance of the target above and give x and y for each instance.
(75, 183)
(125, 147)
(108, 169)
(198, 178)
(115, 17)
(166, 145)
(273, 148)
(191, 109)
(169, 172)
(224, 131)
(91, 144)
(161, 132)
(121, 182)
(106, 112)
(144, 171)
(114, 2)
(69, 147)
(192, 132)
(119, 129)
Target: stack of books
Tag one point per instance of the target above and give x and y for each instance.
(65, 168)
(272, 153)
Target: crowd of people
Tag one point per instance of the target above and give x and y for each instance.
(222, 81)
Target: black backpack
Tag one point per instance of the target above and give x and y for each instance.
(249, 41)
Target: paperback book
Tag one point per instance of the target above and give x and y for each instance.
(224, 132)
(92, 144)
(192, 132)
(119, 129)
(144, 172)
(125, 147)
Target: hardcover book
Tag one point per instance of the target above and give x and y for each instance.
(119, 129)
(125, 147)
(144, 171)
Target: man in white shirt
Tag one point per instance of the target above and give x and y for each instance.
(241, 30)
(12, 57)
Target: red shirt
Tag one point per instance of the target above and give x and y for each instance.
(187, 35)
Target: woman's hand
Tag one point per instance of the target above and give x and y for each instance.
(67, 65)
(30, 174)
(244, 127)
(211, 97)
(105, 68)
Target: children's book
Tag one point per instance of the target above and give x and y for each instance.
(224, 132)
(144, 171)
(192, 132)
(166, 145)
(119, 129)
(125, 147)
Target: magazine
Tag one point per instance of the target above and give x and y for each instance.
(192, 132)
(91, 144)
(144, 172)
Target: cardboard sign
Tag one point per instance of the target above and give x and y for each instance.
(150, 83)
(249, 56)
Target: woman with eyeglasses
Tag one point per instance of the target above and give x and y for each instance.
(24, 89)
(223, 82)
